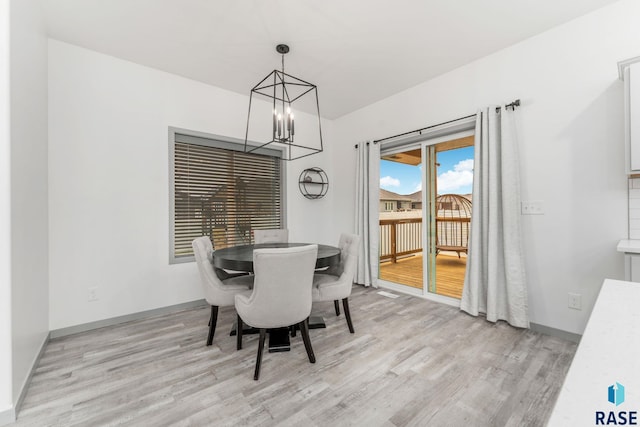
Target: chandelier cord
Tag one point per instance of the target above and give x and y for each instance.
(283, 102)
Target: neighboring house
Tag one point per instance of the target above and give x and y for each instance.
(393, 202)
(416, 199)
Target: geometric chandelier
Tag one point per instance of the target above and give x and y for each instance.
(273, 121)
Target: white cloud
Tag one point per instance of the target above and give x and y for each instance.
(464, 165)
(388, 181)
(460, 176)
(419, 187)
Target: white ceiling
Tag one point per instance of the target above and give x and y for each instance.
(356, 51)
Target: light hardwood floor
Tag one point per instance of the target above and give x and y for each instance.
(411, 362)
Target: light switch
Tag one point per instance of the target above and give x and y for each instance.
(532, 207)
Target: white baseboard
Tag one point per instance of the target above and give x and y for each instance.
(27, 380)
(56, 333)
(7, 416)
(547, 330)
(558, 333)
(419, 293)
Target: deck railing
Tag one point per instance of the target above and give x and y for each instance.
(399, 237)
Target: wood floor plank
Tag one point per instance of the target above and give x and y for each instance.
(411, 362)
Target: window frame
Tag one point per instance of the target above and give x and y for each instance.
(215, 141)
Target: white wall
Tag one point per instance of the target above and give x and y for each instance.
(108, 182)
(6, 380)
(310, 220)
(571, 140)
(29, 214)
(108, 127)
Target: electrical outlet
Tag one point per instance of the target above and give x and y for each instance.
(575, 301)
(532, 207)
(93, 294)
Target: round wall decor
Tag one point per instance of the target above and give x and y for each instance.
(313, 183)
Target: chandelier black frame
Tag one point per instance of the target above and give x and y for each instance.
(283, 90)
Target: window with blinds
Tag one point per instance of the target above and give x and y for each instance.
(221, 192)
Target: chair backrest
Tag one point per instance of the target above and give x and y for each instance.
(348, 245)
(282, 286)
(349, 255)
(214, 292)
(275, 235)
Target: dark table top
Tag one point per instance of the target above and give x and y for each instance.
(240, 258)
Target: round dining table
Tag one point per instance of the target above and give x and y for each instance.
(240, 258)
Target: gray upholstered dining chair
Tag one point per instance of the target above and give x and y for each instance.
(217, 292)
(275, 235)
(335, 283)
(281, 295)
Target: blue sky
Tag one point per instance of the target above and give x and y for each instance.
(455, 173)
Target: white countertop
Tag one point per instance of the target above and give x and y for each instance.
(629, 246)
(609, 352)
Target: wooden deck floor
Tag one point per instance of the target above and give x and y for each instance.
(408, 271)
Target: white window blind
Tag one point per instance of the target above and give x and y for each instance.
(222, 193)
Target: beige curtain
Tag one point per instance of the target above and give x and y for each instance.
(495, 282)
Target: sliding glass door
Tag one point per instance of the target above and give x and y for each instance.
(448, 180)
(401, 221)
(425, 192)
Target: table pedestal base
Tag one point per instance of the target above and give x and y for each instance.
(279, 340)
(316, 322)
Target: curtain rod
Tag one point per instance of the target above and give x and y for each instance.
(512, 105)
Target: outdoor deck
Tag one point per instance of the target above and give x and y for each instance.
(408, 271)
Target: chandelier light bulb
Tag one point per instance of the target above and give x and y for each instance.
(279, 125)
(275, 117)
(289, 120)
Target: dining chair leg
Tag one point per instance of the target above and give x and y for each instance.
(347, 314)
(304, 330)
(263, 333)
(336, 304)
(212, 323)
(293, 330)
(239, 328)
